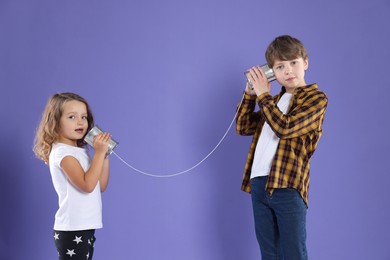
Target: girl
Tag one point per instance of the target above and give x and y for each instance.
(77, 179)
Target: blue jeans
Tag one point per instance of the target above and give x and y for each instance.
(280, 222)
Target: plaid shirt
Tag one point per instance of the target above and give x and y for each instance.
(299, 132)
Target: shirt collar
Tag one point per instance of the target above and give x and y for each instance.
(300, 90)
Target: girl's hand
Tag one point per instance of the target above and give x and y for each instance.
(259, 80)
(100, 142)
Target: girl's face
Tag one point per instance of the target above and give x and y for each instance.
(291, 73)
(73, 122)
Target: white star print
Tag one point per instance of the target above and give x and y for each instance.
(56, 236)
(78, 239)
(88, 255)
(70, 252)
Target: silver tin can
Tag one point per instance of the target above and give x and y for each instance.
(269, 73)
(95, 131)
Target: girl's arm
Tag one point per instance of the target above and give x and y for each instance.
(87, 181)
(105, 175)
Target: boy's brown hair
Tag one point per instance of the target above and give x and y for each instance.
(285, 47)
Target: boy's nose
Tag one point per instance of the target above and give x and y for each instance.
(288, 70)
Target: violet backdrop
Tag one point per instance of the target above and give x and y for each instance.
(164, 77)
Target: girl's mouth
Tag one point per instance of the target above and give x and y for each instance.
(80, 130)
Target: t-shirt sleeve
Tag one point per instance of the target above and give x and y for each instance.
(60, 153)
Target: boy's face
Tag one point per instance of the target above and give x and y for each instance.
(291, 73)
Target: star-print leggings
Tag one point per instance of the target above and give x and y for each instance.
(74, 245)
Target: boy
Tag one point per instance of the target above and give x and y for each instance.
(285, 130)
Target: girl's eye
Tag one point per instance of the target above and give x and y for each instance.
(84, 117)
(71, 117)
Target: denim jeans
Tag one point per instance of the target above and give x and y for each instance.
(280, 222)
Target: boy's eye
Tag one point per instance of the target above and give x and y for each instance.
(71, 117)
(84, 117)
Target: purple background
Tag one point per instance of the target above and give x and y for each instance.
(164, 77)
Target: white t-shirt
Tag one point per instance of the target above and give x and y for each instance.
(268, 143)
(77, 210)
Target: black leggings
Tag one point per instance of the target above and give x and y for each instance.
(74, 245)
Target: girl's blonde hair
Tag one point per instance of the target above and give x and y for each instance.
(47, 131)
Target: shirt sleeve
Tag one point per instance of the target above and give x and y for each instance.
(305, 116)
(247, 119)
(60, 153)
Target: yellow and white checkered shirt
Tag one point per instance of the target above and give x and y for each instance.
(299, 131)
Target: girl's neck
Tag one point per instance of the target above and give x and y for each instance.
(68, 141)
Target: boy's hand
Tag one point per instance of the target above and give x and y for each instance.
(249, 90)
(259, 81)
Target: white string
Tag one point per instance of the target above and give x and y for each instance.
(191, 168)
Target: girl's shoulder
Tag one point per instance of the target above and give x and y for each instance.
(63, 146)
(61, 150)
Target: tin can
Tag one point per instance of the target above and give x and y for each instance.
(269, 73)
(95, 131)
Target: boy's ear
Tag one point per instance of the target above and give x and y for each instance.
(306, 63)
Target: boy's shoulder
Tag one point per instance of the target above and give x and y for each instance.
(311, 94)
(312, 89)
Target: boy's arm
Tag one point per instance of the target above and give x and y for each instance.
(304, 118)
(247, 120)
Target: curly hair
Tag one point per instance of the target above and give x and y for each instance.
(285, 47)
(48, 128)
